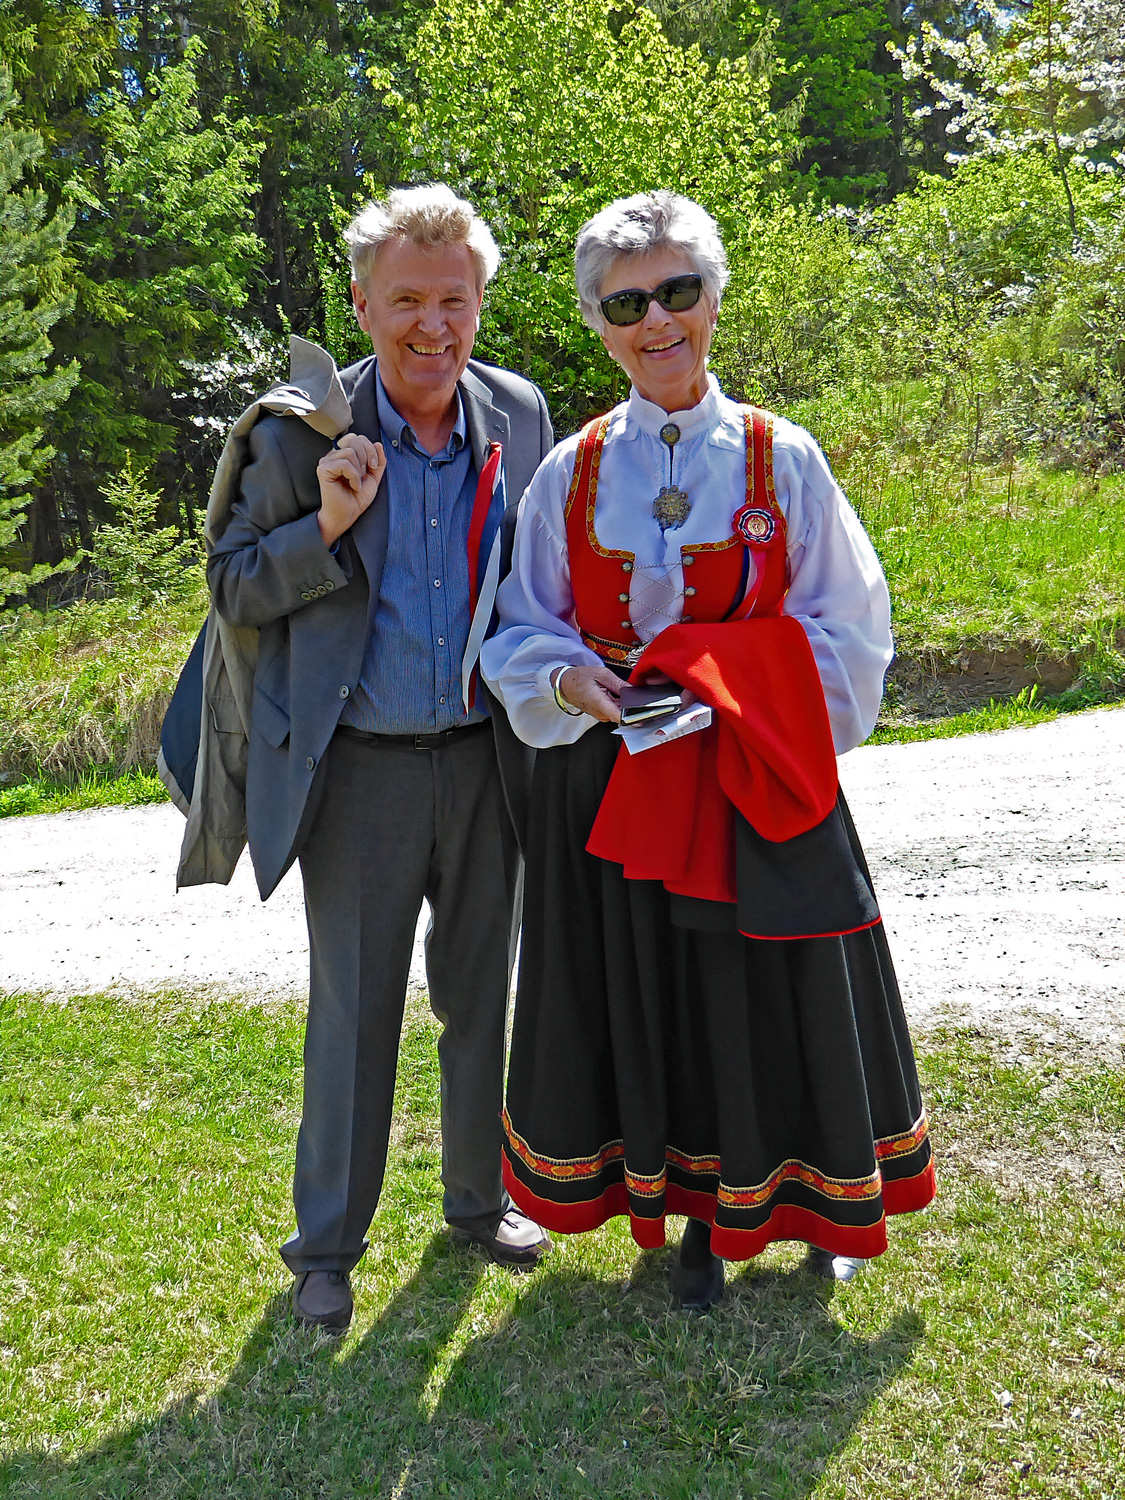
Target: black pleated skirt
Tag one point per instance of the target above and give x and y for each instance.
(765, 1086)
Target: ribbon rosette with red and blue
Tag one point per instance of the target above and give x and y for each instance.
(754, 525)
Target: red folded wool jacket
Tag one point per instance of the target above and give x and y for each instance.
(668, 813)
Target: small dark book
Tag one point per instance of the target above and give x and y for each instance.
(644, 705)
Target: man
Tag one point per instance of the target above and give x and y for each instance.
(374, 756)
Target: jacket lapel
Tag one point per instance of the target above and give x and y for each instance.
(486, 423)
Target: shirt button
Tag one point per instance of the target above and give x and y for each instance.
(433, 522)
(394, 442)
(441, 640)
(344, 691)
(437, 583)
(442, 698)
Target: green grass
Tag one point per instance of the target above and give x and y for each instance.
(43, 795)
(1011, 557)
(146, 1349)
(982, 554)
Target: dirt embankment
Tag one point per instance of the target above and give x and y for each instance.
(933, 684)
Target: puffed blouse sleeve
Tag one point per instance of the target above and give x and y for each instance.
(537, 631)
(837, 590)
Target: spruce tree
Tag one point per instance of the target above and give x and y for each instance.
(33, 297)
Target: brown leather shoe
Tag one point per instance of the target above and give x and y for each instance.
(513, 1240)
(323, 1299)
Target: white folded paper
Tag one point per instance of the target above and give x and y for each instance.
(640, 737)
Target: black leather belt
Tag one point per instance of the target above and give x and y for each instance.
(433, 741)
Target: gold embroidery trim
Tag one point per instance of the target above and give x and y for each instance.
(850, 1189)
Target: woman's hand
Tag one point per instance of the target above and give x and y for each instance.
(594, 690)
(348, 474)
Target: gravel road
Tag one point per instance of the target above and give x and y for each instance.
(999, 860)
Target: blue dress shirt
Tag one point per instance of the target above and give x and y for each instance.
(410, 682)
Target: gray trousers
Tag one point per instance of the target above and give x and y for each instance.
(394, 825)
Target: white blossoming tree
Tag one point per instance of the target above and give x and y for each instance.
(1050, 75)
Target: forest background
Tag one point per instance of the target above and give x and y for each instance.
(923, 205)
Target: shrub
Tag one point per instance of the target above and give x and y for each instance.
(142, 564)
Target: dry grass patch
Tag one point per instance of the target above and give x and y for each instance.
(86, 688)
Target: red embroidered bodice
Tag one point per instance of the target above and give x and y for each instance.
(745, 574)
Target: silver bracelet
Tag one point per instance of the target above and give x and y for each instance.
(566, 707)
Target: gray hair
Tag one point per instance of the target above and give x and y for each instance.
(428, 215)
(637, 225)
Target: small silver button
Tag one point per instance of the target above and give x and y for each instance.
(441, 640)
(433, 521)
(623, 598)
(689, 591)
(625, 625)
(437, 583)
(344, 691)
(687, 560)
(626, 567)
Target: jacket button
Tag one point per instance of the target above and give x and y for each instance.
(310, 764)
(305, 594)
(344, 691)
(328, 585)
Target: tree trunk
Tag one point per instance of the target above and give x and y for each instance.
(44, 534)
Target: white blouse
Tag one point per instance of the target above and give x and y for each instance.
(837, 589)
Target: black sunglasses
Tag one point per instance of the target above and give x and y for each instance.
(676, 294)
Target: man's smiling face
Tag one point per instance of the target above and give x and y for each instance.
(420, 307)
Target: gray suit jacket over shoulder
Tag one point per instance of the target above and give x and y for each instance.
(269, 570)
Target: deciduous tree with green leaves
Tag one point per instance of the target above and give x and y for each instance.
(541, 136)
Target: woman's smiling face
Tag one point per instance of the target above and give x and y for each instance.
(665, 354)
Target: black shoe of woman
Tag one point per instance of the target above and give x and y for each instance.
(697, 1276)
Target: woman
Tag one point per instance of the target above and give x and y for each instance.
(707, 1021)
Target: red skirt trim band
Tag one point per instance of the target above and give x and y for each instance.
(786, 1221)
(851, 1190)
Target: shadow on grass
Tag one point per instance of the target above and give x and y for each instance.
(471, 1384)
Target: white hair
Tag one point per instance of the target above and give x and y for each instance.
(428, 215)
(638, 225)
